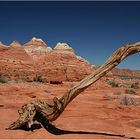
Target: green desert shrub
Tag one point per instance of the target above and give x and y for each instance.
(135, 86)
(112, 83)
(38, 78)
(130, 91)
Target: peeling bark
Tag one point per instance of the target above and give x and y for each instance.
(50, 112)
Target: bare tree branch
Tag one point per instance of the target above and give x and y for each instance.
(39, 109)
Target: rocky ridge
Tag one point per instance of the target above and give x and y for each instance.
(52, 64)
(37, 58)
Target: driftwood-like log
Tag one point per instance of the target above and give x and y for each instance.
(45, 113)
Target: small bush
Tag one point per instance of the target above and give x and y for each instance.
(112, 83)
(130, 91)
(38, 78)
(135, 86)
(126, 100)
(3, 80)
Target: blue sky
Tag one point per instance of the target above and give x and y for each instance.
(94, 29)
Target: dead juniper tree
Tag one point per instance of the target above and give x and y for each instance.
(45, 113)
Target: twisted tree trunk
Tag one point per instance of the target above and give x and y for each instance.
(46, 113)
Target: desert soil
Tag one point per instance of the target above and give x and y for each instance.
(94, 110)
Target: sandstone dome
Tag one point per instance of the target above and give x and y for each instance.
(36, 41)
(15, 44)
(36, 46)
(63, 48)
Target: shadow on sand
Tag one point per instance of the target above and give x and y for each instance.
(57, 131)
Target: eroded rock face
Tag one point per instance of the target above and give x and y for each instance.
(16, 64)
(36, 58)
(60, 64)
(62, 67)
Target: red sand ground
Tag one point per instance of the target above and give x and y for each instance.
(94, 110)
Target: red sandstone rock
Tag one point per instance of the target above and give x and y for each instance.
(62, 67)
(126, 72)
(36, 58)
(15, 63)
